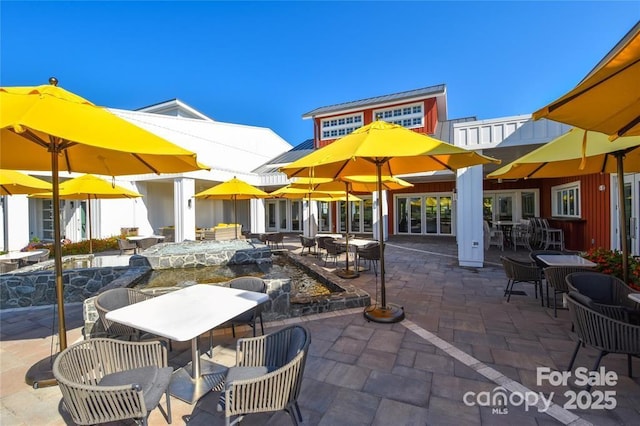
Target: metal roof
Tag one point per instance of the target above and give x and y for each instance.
(290, 156)
(439, 89)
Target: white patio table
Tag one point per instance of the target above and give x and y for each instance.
(565, 260)
(635, 297)
(184, 315)
(20, 256)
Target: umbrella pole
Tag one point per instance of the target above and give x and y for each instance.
(89, 219)
(235, 214)
(41, 374)
(346, 272)
(387, 313)
(621, 218)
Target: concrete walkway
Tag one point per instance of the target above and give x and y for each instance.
(460, 338)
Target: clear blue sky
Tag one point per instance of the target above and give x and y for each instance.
(267, 63)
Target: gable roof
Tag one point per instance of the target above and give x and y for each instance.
(176, 108)
(439, 90)
(219, 145)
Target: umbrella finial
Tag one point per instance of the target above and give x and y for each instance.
(53, 81)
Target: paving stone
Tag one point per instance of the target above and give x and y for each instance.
(392, 412)
(398, 388)
(351, 408)
(445, 412)
(349, 376)
(377, 360)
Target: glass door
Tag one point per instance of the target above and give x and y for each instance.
(296, 215)
(416, 215)
(632, 212)
(324, 222)
(431, 211)
(271, 216)
(367, 214)
(445, 215)
(282, 216)
(356, 226)
(402, 216)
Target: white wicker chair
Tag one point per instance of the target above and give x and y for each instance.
(106, 380)
(268, 375)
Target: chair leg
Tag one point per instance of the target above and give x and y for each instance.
(261, 324)
(555, 308)
(168, 399)
(506, 289)
(510, 288)
(595, 367)
(575, 354)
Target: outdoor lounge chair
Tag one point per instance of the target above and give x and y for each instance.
(521, 272)
(267, 376)
(606, 334)
(107, 380)
(145, 243)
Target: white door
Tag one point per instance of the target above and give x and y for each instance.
(632, 212)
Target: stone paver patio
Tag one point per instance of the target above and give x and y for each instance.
(459, 336)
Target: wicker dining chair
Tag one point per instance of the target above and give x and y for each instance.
(606, 334)
(267, 376)
(521, 272)
(115, 298)
(609, 294)
(307, 243)
(555, 277)
(108, 380)
(370, 254)
(334, 251)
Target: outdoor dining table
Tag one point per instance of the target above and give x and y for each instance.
(184, 315)
(565, 260)
(354, 244)
(635, 297)
(137, 238)
(20, 256)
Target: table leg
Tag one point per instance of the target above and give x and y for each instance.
(195, 379)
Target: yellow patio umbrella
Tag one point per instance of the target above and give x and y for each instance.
(579, 152)
(295, 193)
(13, 182)
(89, 187)
(48, 128)
(233, 189)
(607, 99)
(351, 184)
(383, 149)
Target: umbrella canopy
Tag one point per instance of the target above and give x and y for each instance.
(233, 189)
(352, 183)
(606, 100)
(569, 155)
(48, 128)
(12, 183)
(383, 149)
(296, 193)
(89, 187)
(579, 152)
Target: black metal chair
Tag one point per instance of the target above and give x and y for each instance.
(521, 272)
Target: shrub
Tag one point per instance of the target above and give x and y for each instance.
(610, 262)
(82, 247)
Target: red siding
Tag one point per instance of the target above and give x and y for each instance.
(593, 228)
(430, 120)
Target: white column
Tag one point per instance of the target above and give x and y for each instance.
(310, 218)
(16, 215)
(469, 217)
(184, 209)
(385, 215)
(258, 217)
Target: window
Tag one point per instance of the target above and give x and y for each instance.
(407, 116)
(338, 127)
(565, 200)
